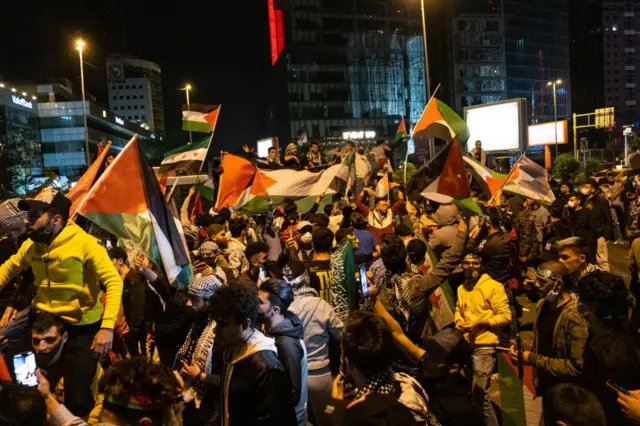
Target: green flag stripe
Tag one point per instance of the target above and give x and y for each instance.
(197, 126)
(204, 143)
(458, 125)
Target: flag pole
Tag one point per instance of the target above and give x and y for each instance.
(406, 159)
(210, 140)
(187, 89)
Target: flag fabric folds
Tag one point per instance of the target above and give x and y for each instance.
(86, 181)
(489, 181)
(529, 180)
(440, 121)
(452, 186)
(127, 202)
(402, 130)
(200, 118)
(187, 158)
(382, 189)
(344, 296)
(248, 188)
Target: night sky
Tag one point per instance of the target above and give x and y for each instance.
(222, 51)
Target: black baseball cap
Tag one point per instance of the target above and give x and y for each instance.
(59, 202)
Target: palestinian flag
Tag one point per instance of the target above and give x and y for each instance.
(529, 180)
(200, 118)
(187, 158)
(344, 296)
(245, 187)
(402, 130)
(382, 189)
(489, 181)
(440, 121)
(80, 190)
(127, 202)
(452, 186)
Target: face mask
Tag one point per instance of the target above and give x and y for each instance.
(41, 236)
(571, 204)
(361, 151)
(585, 191)
(306, 238)
(552, 295)
(471, 273)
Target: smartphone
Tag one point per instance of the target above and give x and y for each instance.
(262, 274)
(618, 388)
(24, 367)
(363, 281)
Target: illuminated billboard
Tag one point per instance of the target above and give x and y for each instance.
(263, 145)
(501, 126)
(545, 133)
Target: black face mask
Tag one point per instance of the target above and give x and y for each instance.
(471, 273)
(361, 151)
(41, 236)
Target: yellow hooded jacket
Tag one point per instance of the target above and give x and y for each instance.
(68, 273)
(486, 301)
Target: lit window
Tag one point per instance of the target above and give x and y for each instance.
(614, 27)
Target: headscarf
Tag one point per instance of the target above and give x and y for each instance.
(11, 216)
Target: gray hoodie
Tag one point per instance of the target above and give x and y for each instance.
(319, 322)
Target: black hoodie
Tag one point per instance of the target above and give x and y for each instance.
(289, 337)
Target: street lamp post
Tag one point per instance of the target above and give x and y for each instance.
(187, 89)
(80, 47)
(553, 84)
(427, 78)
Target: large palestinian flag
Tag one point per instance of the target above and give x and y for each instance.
(187, 158)
(86, 181)
(452, 186)
(245, 187)
(488, 180)
(440, 121)
(127, 202)
(529, 180)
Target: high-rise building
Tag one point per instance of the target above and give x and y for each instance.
(495, 50)
(135, 91)
(344, 66)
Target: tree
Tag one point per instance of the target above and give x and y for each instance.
(565, 166)
(591, 167)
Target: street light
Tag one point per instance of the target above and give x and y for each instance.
(187, 89)
(80, 45)
(553, 84)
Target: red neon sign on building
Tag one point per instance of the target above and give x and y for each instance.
(276, 31)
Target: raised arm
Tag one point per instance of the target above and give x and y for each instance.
(362, 208)
(450, 260)
(16, 263)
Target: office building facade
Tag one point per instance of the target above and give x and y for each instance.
(135, 91)
(19, 133)
(62, 134)
(344, 68)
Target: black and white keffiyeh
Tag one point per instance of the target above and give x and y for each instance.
(382, 383)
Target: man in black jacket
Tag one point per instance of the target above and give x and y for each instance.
(600, 221)
(253, 383)
(275, 298)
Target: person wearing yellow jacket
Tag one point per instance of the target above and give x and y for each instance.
(482, 309)
(69, 266)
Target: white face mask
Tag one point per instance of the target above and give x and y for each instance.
(552, 295)
(571, 204)
(585, 191)
(306, 238)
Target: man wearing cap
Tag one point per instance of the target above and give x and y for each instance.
(560, 332)
(69, 265)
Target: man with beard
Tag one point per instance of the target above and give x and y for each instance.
(314, 157)
(559, 333)
(286, 328)
(48, 339)
(482, 309)
(69, 266)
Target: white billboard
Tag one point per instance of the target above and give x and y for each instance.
(545, 133)
(263, 145)
(498, 125)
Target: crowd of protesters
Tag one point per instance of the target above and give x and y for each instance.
(260, 335)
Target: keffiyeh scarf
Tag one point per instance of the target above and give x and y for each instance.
(382, 383)
(402, 293)
(200, 351)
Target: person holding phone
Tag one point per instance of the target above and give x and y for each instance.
(70, 268)
(560, 332)
(257, 254)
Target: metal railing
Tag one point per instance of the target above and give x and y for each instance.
(610, 157)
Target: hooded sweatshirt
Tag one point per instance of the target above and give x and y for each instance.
(447, 219)
(292, 352)
(68, 273)
(260, 399)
